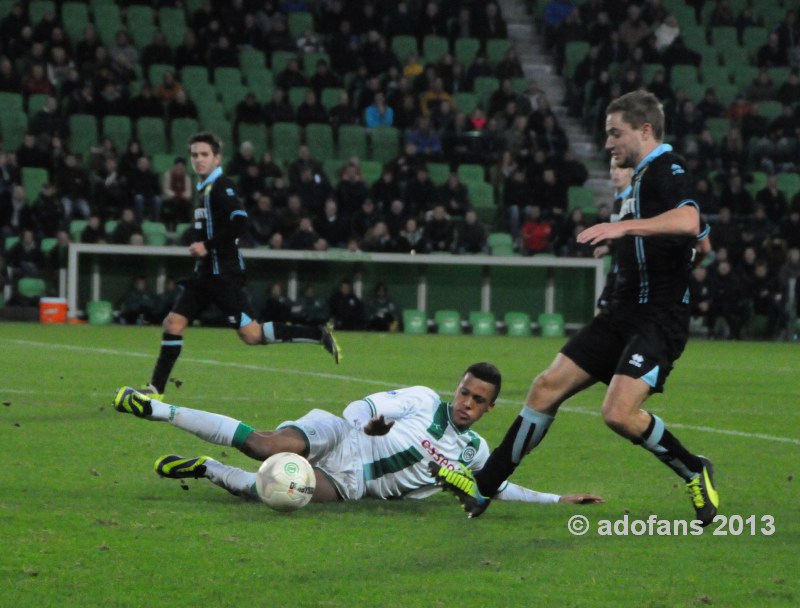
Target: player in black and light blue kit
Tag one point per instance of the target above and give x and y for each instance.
(632, 344)
(219, 277)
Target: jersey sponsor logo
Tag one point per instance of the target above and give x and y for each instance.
(627, 207)
(468, 454)
(200, 213)
(677, 169)
(636, 360)
(437, 456)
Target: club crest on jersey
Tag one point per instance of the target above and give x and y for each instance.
(677, 170)
(200, 213)
(468, 454)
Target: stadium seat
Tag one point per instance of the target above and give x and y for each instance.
(414, 321)
(155, 73)
(9, 242)
(551, 325)
(504, 251)
(330, 97)
(448, 322)
(209, 111)
(108, 21)
(724, 37)
(465, 102)
(683, 75)
(172, 21)
(118, 129)
(789, 184)
(518, 324)
(465, 50)
(403, 46)
(434, 48)
(296, 96)
(223, 129)
(310, 62)
(47, 244)
(496, 49)
(285, 140)
(225, 78)
(770, 109)
(484, 87)
(332, 167)
(231, 96)
(83, 133)
(164, 162)
(352, 142)
(481, 196)
(75, 17)
(75, 229)
(279, 60)
(371, 171)
(110, 226)
(753, 38)
(499, 239)
(439, 172)
(35, 103)
(470, 173)
(256, 135)
(482, 323)
(194, 76)
(14, 125)
(141, 24)
(38, 8)
(385, 143)
(299, 22)
(30, 287)
(250, 58)
(180, 130)
(580, 197)
(574, 52)
(319, 138)
(11, 101)
(155, 233)
(33, 178)
(261, 81)
(152, 134)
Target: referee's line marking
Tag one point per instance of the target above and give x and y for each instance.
(382, 383)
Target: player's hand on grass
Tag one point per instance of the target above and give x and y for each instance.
(378, 426)
(582, 499)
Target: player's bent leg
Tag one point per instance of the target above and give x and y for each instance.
(263, 444)
(251, 333)
(325, 490)
(560, 381)
(622, 406)
(173, 327)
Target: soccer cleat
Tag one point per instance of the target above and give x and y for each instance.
(131, 401)
(151, 392)
(463, 485)
(329, 342)
(705, 498)
(178, 467)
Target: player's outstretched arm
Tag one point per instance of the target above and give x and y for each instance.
(684, 220)
(515, 492)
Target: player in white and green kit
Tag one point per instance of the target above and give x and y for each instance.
(380, 448)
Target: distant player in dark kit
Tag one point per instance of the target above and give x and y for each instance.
(219, 277)
(632, 344)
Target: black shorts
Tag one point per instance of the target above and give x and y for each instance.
(228, 292)
(638, 341)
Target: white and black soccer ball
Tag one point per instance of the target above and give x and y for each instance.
(285, 481)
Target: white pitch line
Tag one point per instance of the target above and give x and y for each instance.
(383, 383)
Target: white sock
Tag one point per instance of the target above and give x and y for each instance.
(215, 428)
(236, 481)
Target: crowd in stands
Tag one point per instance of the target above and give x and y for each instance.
(439, 76)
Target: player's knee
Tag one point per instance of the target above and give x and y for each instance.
(251, 334)
(260, 445)
(173, 324)
(617, 419)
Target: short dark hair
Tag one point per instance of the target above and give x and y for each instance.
(640, 107)
(206, 137)
(488, 373)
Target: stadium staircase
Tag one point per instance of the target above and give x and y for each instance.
(539, 67)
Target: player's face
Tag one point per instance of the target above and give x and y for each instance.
(204, 161)
(625, 143)
(473, 398)
(620, 178)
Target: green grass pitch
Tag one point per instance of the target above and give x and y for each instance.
(85, 521)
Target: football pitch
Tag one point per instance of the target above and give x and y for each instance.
(85, 521)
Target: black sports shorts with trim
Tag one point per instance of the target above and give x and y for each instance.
(228, 292)
(639, 341)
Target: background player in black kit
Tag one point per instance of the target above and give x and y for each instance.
(219, 277)
(632, 344)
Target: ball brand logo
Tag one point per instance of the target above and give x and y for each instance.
(291, 468)
(468, 454)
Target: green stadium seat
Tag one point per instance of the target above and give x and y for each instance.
(352, 142)
(35, 103)
(481, 196)
(439, 172)
(743, 75)
(465, 50)
(108, 21)
(30, 287)
(310, 62)
(13, 126)
(683, 75)
(385, 143)
(118, 129)
(222, 128)
(718, 127)
(155, 73)
(250, 58)
(503, 250)
(141, 21)
(231, 96)
(518, 324)
(448, 322)
(225, 78)
(152, 134)
(280, 59)
(75, 229)
(319, 138)
(332, 168)
(330, 97)
(465, 102)
(209, 111)
(180, 130)
(9, 242)
(757, 182)
(770, 109)
(470, 173)
(482, 323)
(164, 162)
(496, 49)
(83, 133)
(371, 171)
(434, 48)
(38, 8)
(724, 37)
(33, 178)
(414, 321)
(285, 140)
(11, 101)
(403, 46)
(260, 80)
(75, 17)
(172, 21)
(484, 87)
(789, 184)
(47, 244)
(155, 233)
(299, 22)
(551, 325)
(574, 52)
(499, 239)
(580, 197)
(256, 135)
(753, 38)
(194, 76)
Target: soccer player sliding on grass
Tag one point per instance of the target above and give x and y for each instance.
(381, 448)
(632, 344)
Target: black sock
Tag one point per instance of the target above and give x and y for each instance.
(525, 433)
(171, 345)
(658, 440)
(275, 333)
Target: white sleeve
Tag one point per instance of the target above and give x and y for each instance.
(512, 491)
(392, 405)
(358, 413)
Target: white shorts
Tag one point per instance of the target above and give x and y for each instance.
(333, 449)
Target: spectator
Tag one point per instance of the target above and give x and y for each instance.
(382, 313)
(37, 82)
(156, 52)
(176, 194)
(288, 220)
(311, 309)
(439, 230)
(347, 309)
(471, 236)
(139, 305)
(16, 214)
(49, 212)
(311, 111)
(188, 52)
(124, 55)
(74, 186)
(94, 231)
(332, 226)
(180, 106)
(768, 300)
(145, 103)
(291, 76)
(278, 306)
(304, 238)
(262, 219)
(25, 258)
(770, 54)
(425, 139)
(535, 232)
(454, 195)
(420, 194)
(127, 229)
(378, 114)
(412, 238)
(772, 199)
(168, 87)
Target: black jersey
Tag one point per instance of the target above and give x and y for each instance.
(655, 269)
(219, 221)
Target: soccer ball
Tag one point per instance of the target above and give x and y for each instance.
(285, 481)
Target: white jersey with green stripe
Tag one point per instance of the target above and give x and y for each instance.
(397, 463)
